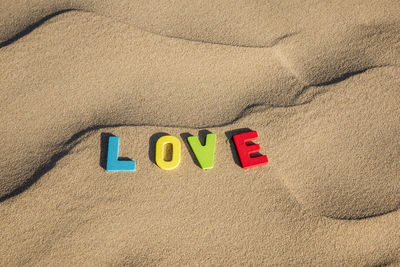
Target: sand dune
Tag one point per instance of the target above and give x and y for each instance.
(319, 82)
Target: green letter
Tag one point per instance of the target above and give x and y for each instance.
(204, 154)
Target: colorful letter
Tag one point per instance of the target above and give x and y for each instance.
(204, 154)
(160, 152)
(245, 150)
(113, 164)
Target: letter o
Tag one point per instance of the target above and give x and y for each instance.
(176, 152)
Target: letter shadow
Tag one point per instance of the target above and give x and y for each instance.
(229, 135)
(152, 145)
(104, 150)
(202, 137)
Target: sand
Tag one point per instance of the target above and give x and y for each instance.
(318, 81)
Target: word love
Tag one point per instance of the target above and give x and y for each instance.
(247, 151)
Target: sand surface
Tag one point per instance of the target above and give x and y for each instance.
(319, 81)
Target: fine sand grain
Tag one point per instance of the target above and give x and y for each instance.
(318, 81)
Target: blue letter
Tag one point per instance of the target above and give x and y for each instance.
(113, 164)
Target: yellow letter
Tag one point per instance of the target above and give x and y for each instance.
(175, 158)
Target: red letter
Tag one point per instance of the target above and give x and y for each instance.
(245, 150)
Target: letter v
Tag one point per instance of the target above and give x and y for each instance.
(113, 164)
(204, 154)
